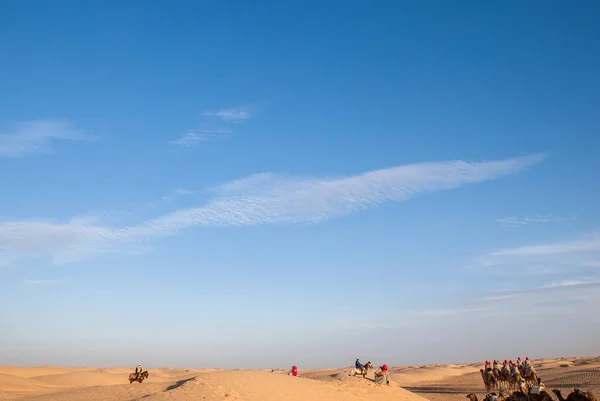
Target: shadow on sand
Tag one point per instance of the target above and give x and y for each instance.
(439, 390)
(178, 384)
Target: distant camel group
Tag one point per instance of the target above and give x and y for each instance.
(511, 376)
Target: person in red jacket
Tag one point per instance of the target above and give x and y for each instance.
(294, 371)
(381, 375)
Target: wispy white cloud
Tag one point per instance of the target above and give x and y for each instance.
(531, 308)
(496, 298)
(196, 136)
(46, 281)
(509, 301)
(565, 283)
(193, 138)
(262, 199)
(448, 311)
(231, 114)
(558, 260)
(547, 299)
(582, 245)
(36, 136)
(526, 220)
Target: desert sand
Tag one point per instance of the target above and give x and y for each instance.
(409, 383)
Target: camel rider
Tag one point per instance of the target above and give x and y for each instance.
(359, 365)
(523, 387)
(495, 364)
(513, 370)
(138, 370)
(519, 363)
(486, 367)
(527, 368)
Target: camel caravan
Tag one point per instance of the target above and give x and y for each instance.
(511, 376)
(522, 379)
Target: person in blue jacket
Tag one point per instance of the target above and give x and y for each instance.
(358, 365)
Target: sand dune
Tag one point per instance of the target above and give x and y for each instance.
(433, 382)
(37, 371)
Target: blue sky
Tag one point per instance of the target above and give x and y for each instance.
(239, 184)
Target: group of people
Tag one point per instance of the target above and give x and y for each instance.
(381, 374)
(510, 368)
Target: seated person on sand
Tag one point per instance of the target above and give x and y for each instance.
(381, 375)
(294, 371)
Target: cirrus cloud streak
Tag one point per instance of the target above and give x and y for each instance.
(256, 200)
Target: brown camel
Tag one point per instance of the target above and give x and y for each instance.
(542, 396)
(576, 395)
(489, 380)
(488, 397)
(510, 382)
(532, 379)
(520, 396)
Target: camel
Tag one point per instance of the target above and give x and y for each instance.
(489, 380)
(509, 383)
(355, 371)
(472, 396)
(537, 393)
(506, 380)
(488, 397)
(516, 381)
(542, 396)
(516, 396)
(141, 377)
(532, 378)
(576, 395)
